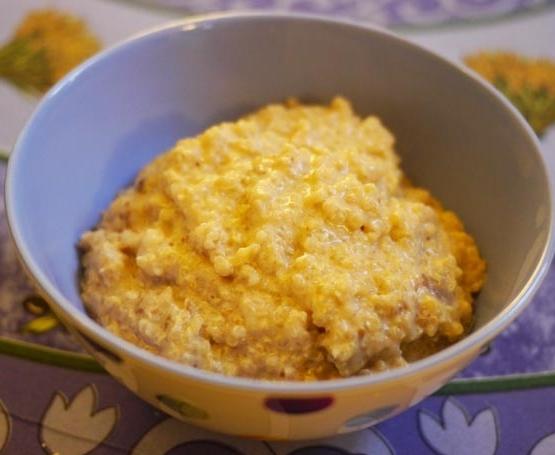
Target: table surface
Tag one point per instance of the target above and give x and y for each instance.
(41, 389)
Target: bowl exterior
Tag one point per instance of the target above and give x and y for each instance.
(266, 415)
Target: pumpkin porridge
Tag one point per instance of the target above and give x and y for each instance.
(286, 245)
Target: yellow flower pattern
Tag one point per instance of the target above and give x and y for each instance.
(528, 83)
(44, 48)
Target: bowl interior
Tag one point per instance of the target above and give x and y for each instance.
(94, 132)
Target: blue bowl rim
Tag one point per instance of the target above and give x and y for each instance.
(84, 323)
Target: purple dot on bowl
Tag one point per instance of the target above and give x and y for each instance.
(298, 405)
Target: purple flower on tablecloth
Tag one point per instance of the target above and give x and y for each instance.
(388, 12)
(545, 447)
(75, 427)
(456, 433)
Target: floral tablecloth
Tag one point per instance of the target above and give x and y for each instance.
(54, 399)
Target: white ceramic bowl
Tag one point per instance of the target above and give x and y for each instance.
(106, 120)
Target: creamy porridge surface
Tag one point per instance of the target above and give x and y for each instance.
(285, 245)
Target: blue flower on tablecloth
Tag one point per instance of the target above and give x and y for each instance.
(546, 446)
(457, 433)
